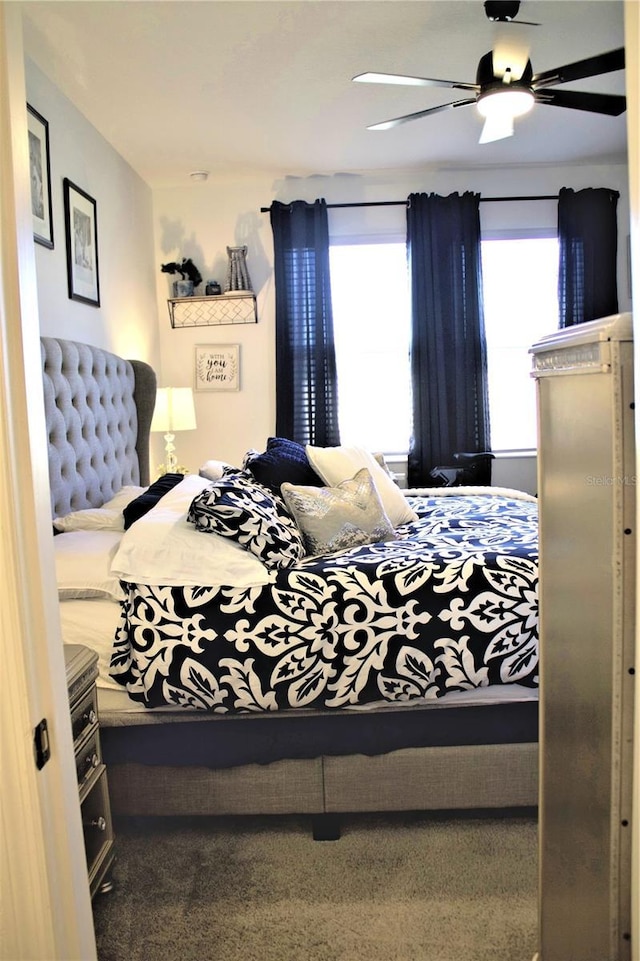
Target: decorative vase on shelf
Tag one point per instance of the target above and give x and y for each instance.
(237, 272)
(190, 276)
(183, 288)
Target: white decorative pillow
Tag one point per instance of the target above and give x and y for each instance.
(335, 518)
(213, 469)
(83, 564)
(109, 517)
(337, 464)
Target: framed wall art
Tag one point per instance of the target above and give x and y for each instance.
(217, 367)
(40, 174)
(82, 244)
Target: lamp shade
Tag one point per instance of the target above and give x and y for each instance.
(174, 410)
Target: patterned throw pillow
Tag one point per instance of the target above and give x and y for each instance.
(239, 508)
(335, 518)
(283, 461)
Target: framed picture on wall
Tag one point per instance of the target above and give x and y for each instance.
(82, 244)
(40, 174)
(217, 367)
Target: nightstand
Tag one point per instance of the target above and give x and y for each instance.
(82, 671)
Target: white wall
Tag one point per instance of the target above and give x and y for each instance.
(200, 219)
(126, 321)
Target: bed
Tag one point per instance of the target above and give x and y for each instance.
(296, 672)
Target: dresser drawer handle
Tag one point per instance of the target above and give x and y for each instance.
(99, 823)
(90, 716)
(93, 760)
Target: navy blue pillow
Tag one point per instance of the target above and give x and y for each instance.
(284, 461)
(142, 504)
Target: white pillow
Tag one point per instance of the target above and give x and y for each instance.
(163, 548)
(212, 469)
(337, 464)
(83, 564)
(106, 518)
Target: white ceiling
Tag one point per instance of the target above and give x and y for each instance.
(235, 86)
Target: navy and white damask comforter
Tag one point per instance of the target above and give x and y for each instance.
(450, 605)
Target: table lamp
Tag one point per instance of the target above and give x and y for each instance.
(174, 411)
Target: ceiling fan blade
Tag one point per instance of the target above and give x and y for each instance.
(496, 128)
(591, 67)
(412, 81)
(388, 124)
(605, 103)
(511, 49)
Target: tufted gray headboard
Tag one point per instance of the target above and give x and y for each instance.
(98, 410)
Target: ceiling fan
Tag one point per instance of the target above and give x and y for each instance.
(506, 86)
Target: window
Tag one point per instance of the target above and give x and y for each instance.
(372, 321)
(520, 289)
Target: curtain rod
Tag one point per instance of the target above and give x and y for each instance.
(404, 203)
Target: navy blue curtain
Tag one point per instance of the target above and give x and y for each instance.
(306, 380)
(448, 353)
(588, 235)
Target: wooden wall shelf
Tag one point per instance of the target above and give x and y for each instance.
(234, 307)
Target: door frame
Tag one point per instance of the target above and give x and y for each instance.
(46, 900)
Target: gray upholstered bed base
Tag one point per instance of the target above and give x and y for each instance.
(98, 412)
(458, 777)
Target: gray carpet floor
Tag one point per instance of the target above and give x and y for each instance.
(393, 888)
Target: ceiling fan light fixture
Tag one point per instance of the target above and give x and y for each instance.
(502, 10)
(505, 101)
